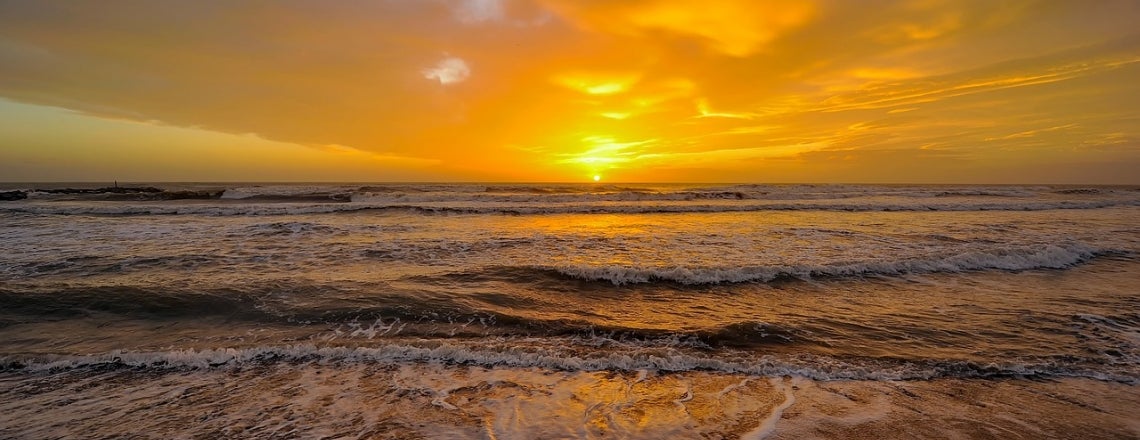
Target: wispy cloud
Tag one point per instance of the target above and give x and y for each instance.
(477, 11)
(904, 94)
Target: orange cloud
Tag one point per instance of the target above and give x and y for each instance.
(597, 83)
(732, 27)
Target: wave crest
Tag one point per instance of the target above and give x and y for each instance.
(1023, 258)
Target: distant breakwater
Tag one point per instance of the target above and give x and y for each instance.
(118, 193)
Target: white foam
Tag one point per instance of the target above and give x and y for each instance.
(554, 358)
(246, 192)
(732, 387)
(768, 425)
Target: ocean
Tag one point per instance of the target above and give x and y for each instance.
(557, 311)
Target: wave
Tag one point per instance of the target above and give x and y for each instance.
(282, 303)
(289, 194)
(92, 264)
(284, 209)
(130, 301)
(518, 356)
(1059, 256)
(960, 257)
(1080, 191)
(374, 315)
(557, 198)
(341, 302)
(290, 229)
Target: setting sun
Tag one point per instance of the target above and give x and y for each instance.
(597, 177)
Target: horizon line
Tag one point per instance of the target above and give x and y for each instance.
(475, 182)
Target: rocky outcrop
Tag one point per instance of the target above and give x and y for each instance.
(120, 193)
(104, 190)
(7, 196)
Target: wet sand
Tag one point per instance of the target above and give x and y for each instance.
(447, 401)
(970, 409)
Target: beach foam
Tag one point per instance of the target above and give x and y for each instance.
(521, 356)
(1024, 258)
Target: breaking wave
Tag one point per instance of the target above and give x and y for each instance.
(1059, 256)
(281, 209)
(522, 199)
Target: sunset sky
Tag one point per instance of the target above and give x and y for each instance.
(922, 91)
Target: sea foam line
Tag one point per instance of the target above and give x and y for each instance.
(518, 357)
(1022, 258)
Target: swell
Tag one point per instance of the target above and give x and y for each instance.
(1054, 256)
(393, 315)
(125, 300)
(293, 303)
(303, 301)
(96, 264)
(558, 358)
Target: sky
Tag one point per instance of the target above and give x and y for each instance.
(765, 91)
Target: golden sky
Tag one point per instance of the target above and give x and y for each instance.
(970, 91)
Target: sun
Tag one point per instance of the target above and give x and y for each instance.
(597, 177)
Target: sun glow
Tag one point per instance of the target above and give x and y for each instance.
(597, 83)
(606, 153)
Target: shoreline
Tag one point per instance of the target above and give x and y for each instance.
(448, 401)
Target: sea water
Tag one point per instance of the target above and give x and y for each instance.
(570, 311)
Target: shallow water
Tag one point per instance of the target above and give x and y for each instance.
(548, 303)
